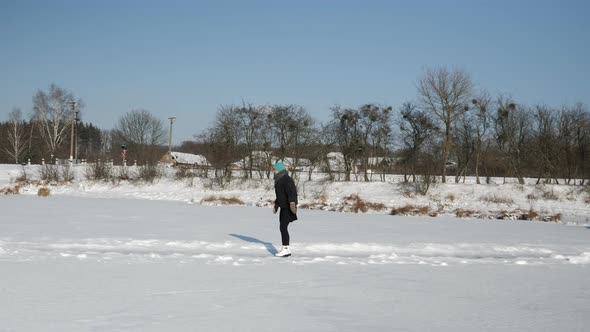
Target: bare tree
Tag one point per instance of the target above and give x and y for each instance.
(249, 120)
(221, 141)
(143, 133)
(376, 133)
(545, 144)
(573, 132)
(582, 140)
(481, 120)
(16, 135)
(346, 129)
(445, 93)
(416, 128)
(471, 132)
(360, 133)
(292, 127)
(512, 129)
(53, 115)
(316, 149)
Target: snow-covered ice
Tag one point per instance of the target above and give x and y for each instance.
(111, 260)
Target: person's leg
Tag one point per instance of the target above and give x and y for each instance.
(284, 232)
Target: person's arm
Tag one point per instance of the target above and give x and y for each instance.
(292, 196)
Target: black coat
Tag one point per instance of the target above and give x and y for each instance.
(286, 192)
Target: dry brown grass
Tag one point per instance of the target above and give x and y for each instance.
(509, 215)
(313, 206)
(323, 198)
(553, 218)
(22, 179)
(451, 197)
(411, 210)
(223, 200)
(356, 203)
(531, 215)
(462, 213)
(43, 192)
(10, 191)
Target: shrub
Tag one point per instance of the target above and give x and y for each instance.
(23, 178)
(67, 174)
(43, 192)
(218, 182)
(183, 173)
(99, 171)
(424, 183)
(122, 173)
(149, 173)
(49, 173)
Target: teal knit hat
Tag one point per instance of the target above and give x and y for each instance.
(280, 166)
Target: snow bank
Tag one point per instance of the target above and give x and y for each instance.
(497, 200)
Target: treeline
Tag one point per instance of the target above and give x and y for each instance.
(55, 132)
(448, 129)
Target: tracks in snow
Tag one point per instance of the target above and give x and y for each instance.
(247, 251)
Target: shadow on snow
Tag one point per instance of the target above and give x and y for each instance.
(269, 247)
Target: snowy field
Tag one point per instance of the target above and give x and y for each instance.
(96, 257)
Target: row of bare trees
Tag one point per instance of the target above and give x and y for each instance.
(255, 135)
(449, 128)
(54, 130)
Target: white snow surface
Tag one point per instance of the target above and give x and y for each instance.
(129, 257)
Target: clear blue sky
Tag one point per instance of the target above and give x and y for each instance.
(184, 58)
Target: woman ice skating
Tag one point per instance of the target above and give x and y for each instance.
(286, 200)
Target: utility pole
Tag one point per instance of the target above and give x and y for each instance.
(73, 104)
(77, 119)
(172, 118)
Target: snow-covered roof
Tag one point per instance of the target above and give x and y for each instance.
(259, 158)
(301, 162)
(335, 155)
(190, 159)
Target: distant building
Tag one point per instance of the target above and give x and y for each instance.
(335, 161)
(302, 164)
(185, 159)
(261, 160)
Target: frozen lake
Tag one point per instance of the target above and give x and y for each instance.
(101, 264)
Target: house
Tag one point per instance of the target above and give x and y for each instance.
(335, 161)
(375, 164)
(302, 164)
(260, 160)
(185, 159)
